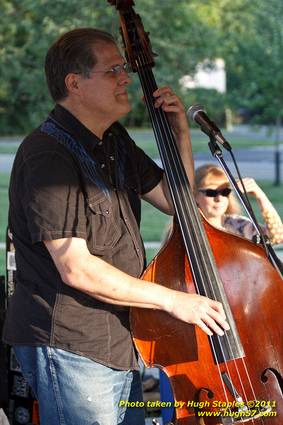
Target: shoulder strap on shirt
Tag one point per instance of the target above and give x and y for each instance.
(89, 166)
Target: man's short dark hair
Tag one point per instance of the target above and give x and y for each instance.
(72, 52)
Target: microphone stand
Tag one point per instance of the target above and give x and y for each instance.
(217, 153)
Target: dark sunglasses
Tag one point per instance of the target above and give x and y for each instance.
(211, 193)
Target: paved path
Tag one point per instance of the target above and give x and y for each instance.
(258, 162)
(6, 162)
(253, 162)
(259, 169)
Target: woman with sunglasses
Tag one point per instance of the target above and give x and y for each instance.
(219, 205)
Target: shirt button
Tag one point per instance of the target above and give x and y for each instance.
(111, 157)
(107, 211)
(102, 165)
(100, 143)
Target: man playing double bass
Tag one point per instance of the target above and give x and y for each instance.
(74, 213)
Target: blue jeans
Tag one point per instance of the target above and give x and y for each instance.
(74, 390)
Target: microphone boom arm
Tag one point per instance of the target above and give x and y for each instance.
(217, 153)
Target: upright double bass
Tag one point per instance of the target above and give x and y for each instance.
(236, 378)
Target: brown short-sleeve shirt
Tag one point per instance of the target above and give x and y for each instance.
(51, 198)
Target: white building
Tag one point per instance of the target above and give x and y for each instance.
(209, 75)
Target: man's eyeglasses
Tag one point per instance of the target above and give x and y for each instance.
(212, 193)
(117, 69)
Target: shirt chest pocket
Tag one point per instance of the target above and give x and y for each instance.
(104, 223)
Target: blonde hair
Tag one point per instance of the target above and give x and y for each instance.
(205, 172)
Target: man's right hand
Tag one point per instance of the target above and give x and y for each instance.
(198, 310)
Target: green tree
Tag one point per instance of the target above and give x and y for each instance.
(251, 34)
(29, 26)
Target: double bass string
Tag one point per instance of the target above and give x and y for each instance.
(146, 82)
(161, 126)
(162, 132)
(148, 96)
(136, 42)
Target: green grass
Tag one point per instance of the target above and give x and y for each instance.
(8, 149)
(150, 253)
(2, 262)
(9, 144)
(4, 181)
(274, 193)
(146, 140)
(153, 225)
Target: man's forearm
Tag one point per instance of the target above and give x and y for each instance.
(95, 277)
(109, 284)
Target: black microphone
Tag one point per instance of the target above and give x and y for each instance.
(198, 114)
